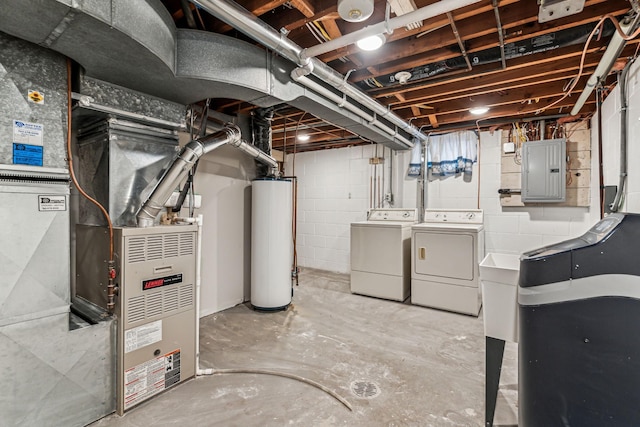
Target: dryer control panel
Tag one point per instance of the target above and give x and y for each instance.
(399, 215)
(456, 216)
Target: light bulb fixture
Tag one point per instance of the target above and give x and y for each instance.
(478, 110)
(355, 10)
(372, 42)
(303, 137)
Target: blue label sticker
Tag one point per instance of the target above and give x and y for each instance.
(25, 154)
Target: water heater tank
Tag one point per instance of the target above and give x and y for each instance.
(271, 244)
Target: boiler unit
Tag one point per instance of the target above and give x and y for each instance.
(579, 353)
(271, 244)
(155, 303)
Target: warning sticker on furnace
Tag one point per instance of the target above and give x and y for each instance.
(150, 378)
(142, 336)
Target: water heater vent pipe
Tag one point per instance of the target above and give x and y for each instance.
(179, 169)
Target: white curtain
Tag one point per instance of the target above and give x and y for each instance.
(452, 154)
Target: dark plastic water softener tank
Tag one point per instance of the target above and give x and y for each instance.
(579, 308)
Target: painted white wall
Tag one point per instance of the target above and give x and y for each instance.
(519, 229)
(334, 192)
(611, 139)
(224, 179)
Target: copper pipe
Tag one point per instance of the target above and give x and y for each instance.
(111, 288)
(294, 226)
(459, 39)
(371, 190)
(500, 33)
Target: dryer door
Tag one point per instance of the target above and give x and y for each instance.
(445, 255)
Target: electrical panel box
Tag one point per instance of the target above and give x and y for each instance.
(544, 171)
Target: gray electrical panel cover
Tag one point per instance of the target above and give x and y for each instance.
(544, 171)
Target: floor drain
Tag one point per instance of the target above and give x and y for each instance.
(365, 389)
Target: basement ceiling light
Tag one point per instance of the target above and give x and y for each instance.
(303, 137)
(478, 110)
(355, 10)
(402, 77)
(372, 42)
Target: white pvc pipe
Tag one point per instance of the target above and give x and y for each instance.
(610, 55)
(421, 14)
(199, 220)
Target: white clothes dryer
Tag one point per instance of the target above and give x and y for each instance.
(446, 251)
(381, 254)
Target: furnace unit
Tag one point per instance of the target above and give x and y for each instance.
(155, 303)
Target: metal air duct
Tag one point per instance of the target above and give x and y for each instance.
(136, 45)
(178, 170)
(245, 21)
(188, 156)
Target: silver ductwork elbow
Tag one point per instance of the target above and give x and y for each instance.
(179, 169)
(254, 152)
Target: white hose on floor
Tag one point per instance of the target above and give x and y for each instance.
(210, 371)
(285, 375)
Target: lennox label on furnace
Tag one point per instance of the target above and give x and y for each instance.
(161, 281)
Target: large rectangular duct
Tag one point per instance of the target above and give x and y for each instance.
(120, 163)
(57, 369)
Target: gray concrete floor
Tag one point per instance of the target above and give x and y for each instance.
(427, 366)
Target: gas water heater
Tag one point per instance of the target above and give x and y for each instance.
(271, 244)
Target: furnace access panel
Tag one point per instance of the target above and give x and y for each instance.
(155, 304)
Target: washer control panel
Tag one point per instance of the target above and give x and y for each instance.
(456, 216)
(399, 215)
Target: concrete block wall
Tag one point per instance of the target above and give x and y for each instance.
(519, 229)
(611, 139)
(334, 192)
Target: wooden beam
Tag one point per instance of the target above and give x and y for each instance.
(480, 35)
(433, 120)
(304, 6)
(257, 7)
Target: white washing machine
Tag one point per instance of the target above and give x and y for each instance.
(381, 254)
(446, 251)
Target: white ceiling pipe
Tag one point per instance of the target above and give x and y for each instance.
(243, 20)
(349, 106)
(609, 57)
(421, 14)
